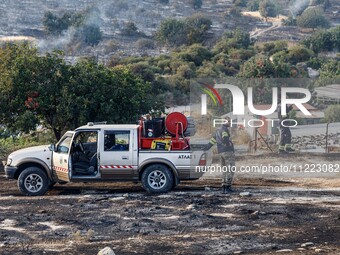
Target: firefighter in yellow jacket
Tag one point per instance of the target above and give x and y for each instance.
(225, 149)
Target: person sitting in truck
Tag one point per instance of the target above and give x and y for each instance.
(109, 141)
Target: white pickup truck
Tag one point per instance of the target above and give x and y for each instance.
(95, 153)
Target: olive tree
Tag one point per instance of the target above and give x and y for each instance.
(313, 17)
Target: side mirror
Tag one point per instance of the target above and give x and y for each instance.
(53, 147)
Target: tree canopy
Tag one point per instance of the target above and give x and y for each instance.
(330, 69)
(267, 8)
(85, 24)
(261, 67)
(193, 29)
(46, 90)
(313, 17)
(332, 113)
(324, 40)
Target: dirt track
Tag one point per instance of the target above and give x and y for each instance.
(301, 216)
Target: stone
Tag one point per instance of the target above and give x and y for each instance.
(191, 207)
(245, 194)
(106, 251)
(117, 198)
(165, 196)
(254, 215)
(319, 250)
(307, 244)
(284, 250)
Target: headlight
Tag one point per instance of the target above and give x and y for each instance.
(9, 161)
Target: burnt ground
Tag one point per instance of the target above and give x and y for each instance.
(298, 216)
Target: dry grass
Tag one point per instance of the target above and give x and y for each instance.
(269, 19)
(241, 136)
(79, 237)
(16, 38)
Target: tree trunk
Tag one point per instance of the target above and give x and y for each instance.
(57, 133)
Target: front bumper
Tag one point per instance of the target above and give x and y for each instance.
(10, 171)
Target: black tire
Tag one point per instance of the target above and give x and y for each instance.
(33, 182)
(157, 178)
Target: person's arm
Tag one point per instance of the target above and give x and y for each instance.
(225, 137)
(211, 143)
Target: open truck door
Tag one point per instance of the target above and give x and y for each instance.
(61, 163)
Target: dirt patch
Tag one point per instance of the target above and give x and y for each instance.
(257, 14)
(263, 216)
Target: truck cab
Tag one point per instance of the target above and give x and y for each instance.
(89, 152)
(102, 153)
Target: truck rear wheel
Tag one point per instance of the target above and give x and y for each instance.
(33, 182)
(157, 178)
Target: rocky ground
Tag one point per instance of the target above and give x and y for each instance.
(265, 215)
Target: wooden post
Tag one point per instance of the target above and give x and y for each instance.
(255, 148)
(327, 137)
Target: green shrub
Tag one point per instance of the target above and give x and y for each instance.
(233, 39)
(257, 67)
(313, 17)
(332, 113)
(330, 69)
(289, 22)
(172, 32)
(274, 46)
(196, 4)
(242, 54)
(235, 12)
(91, 34)
(240, 3)
(299, 54)
(253, 5)
(15, 142)
(195, 53)
(145, 44)
(130, 29)
(197, 27)
(267, 9)
(280, 57)
(191, 30)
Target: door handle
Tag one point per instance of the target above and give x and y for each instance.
(125, 157)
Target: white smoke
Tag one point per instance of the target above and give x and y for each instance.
(298, 6)
(94, 16)
(56, 42)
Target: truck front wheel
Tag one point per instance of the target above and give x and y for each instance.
(33, 182)
(157, 179)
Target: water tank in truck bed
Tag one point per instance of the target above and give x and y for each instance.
(153, 128)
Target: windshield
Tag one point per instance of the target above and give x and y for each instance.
(64, 144)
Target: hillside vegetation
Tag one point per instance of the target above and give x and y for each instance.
(63, 87)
